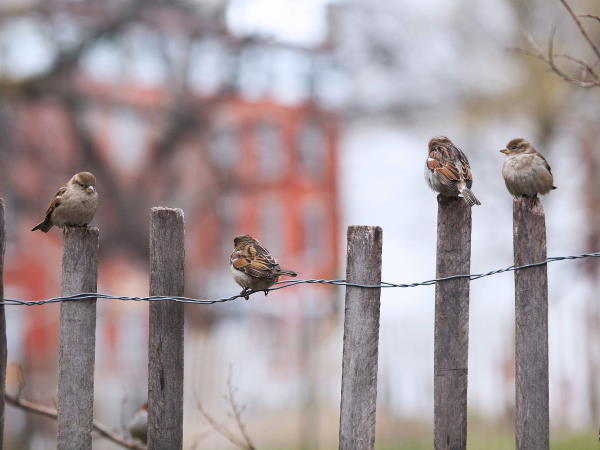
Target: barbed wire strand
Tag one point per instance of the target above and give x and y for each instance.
(287, 284)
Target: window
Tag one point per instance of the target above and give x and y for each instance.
(224, 145)
(271, 216)
(128, 144)
(228, 207)
(269, 149)
(312, 148)
(315, 234)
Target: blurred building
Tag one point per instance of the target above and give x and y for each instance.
(235, 162)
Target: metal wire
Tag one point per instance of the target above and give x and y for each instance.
(287, 284)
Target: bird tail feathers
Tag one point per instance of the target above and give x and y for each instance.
(470, 197)
(43, 226)
(289, 273)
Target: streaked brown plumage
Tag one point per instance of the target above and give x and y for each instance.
(253, 267)
(73, 205)
(447, 170)
(526, 172)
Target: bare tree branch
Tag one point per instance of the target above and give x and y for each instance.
(51, 413)
(222, 429)
(66, 61)
(590, 16)
(582, 30)
(237, 411)
(588, 78)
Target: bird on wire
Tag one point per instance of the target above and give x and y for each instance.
(447, 170)
(73, 205)
(253, 267)
(526, 172)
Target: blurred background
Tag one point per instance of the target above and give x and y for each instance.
(290, 121)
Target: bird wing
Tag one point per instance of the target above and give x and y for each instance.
(255, 261)
(441, 162)
(55, 202)
(545, 162)
(450, 164)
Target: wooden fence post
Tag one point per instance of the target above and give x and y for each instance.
(165, 346)
(531, 323)
(77, 339)
(361, 339)
(2, 323)
(451, 338)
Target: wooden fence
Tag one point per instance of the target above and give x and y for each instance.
(361, 332)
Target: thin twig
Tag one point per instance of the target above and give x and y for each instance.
(220, 428)
(550, 61)
(237, 412)
(581, 29)
(51, 413)
(590, 16)
(592, 79)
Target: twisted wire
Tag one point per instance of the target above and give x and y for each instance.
(287, 284)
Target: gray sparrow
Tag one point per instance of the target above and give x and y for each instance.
(73, 205)
(253, 267)
(447, 170)
(526, 172)
(138, 425)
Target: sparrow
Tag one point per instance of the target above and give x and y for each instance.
(138, 425)
(447, 170)
(526, 172)
(73, 205)
(253, 267)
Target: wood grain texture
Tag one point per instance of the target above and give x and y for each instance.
(361, 339)
(451, 338)
(165, 352)
(77, 339)
(2, 322)
(531, 321)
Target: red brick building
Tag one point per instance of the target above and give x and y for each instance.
(261, 168)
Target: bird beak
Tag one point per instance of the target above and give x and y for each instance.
(505, 151)
(90, 189)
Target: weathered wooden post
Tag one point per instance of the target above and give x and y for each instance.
(77, 339)
(451, 339)
(2, 323)
(531, 325)
(165, 350)
(361, 339)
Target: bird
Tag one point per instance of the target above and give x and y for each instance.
(253, 267)
(138, 425)
(526, 172)
(447, 170)
(73, 205)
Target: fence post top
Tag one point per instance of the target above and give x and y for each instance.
(94, 231)
(164, 209)
(364, 229)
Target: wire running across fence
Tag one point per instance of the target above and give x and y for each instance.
(287, 284)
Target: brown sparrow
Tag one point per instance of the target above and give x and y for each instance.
(138, 426)
(447, 170)
(253, 267)
(526, 172)
(73, 205)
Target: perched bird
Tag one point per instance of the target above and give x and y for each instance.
(253, 267)
(138, 425)
(526, 172)
(73, 205)
(447, 170)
